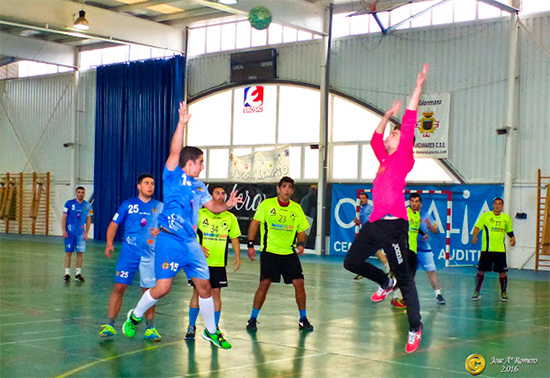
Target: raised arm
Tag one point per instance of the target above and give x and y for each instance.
(415, 97)
(387, 116)
(177, 140)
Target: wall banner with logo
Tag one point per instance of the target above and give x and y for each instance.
(432, 126)
(468, 203)
(260, 166)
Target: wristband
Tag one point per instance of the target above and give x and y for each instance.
(300, 244)
(511, 234)
(251, 244)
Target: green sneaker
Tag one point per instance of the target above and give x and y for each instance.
(107, 331)
(130, 325)
(216, 338)
(152, 334)
(476, 296)
(504, 296)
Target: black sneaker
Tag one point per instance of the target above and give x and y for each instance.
(305, 325)
(440, 299)
(190, 335)
(79, 278)
(67, 278)
(251, 325)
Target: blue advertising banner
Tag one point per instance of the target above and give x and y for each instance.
(467, 204)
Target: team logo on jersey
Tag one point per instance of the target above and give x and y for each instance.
(293, 216)
(150, 241)
(117, 273)
(273, 212)
(427, 124)
(205, 222)
(165, 265)
(154, 210)
(225, 225)
(253, 99)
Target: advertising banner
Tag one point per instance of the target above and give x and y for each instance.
(432, 126)
(260, 166)
(468, 202)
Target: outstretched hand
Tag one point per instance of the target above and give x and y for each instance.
(234, 199)
(393, 110)
(184, 113)
(422, 75)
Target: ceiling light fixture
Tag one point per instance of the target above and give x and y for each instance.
(228, 2)
(81, 22)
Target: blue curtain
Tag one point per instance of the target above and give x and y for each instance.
(136, 115)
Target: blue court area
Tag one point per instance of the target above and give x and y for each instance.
(50, 329)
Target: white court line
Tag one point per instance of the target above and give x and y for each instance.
(33, 340)
(44, 321)
(250, 365)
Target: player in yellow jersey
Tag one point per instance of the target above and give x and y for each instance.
(413, 212)
(213, 234)
(495, 226)
(283, 225)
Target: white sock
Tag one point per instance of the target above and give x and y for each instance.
(206, 306)
(78, 271)
(397, 294)
(146, 302)
(437, 292)
(386, 268)
(68, 271)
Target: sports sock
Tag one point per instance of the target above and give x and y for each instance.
(111, 321)
(255, 312)
(386, 268)
(503, 284)
(206, 306)
(78, 271)
(397, 294)
(437, 292)
(68, 271)
(150, 323)
(479, 281)
(144, 304)
(193, 314)
(217, 315)
(302, 314)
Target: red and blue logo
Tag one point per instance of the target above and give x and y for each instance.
(253, 99)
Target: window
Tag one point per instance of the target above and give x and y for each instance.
(223, 124)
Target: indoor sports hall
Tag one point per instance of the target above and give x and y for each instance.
(90, 101)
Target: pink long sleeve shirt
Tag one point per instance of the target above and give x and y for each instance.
(388, 186)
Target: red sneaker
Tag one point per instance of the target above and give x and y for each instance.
(381, 293)
(398, 303)
(413, 341)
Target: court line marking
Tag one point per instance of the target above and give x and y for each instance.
(251, 365)
(44, 321)
(33, 340)
(86, 366)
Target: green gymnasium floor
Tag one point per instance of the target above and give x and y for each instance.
(50, 329)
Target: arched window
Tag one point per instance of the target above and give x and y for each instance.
(223, 124)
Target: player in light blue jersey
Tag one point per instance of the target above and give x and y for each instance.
(177, 246)
(139, 216)
(425, 254)
(76, 224)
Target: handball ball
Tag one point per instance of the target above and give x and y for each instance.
(259, 17)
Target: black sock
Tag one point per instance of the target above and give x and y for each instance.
(111, 321)
(150, 322)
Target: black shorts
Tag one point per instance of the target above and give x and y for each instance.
(272, 266)
(493, 261)
(218, 277)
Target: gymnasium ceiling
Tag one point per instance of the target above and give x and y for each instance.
(156, 23)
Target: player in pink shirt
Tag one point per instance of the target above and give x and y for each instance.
(388, 226)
